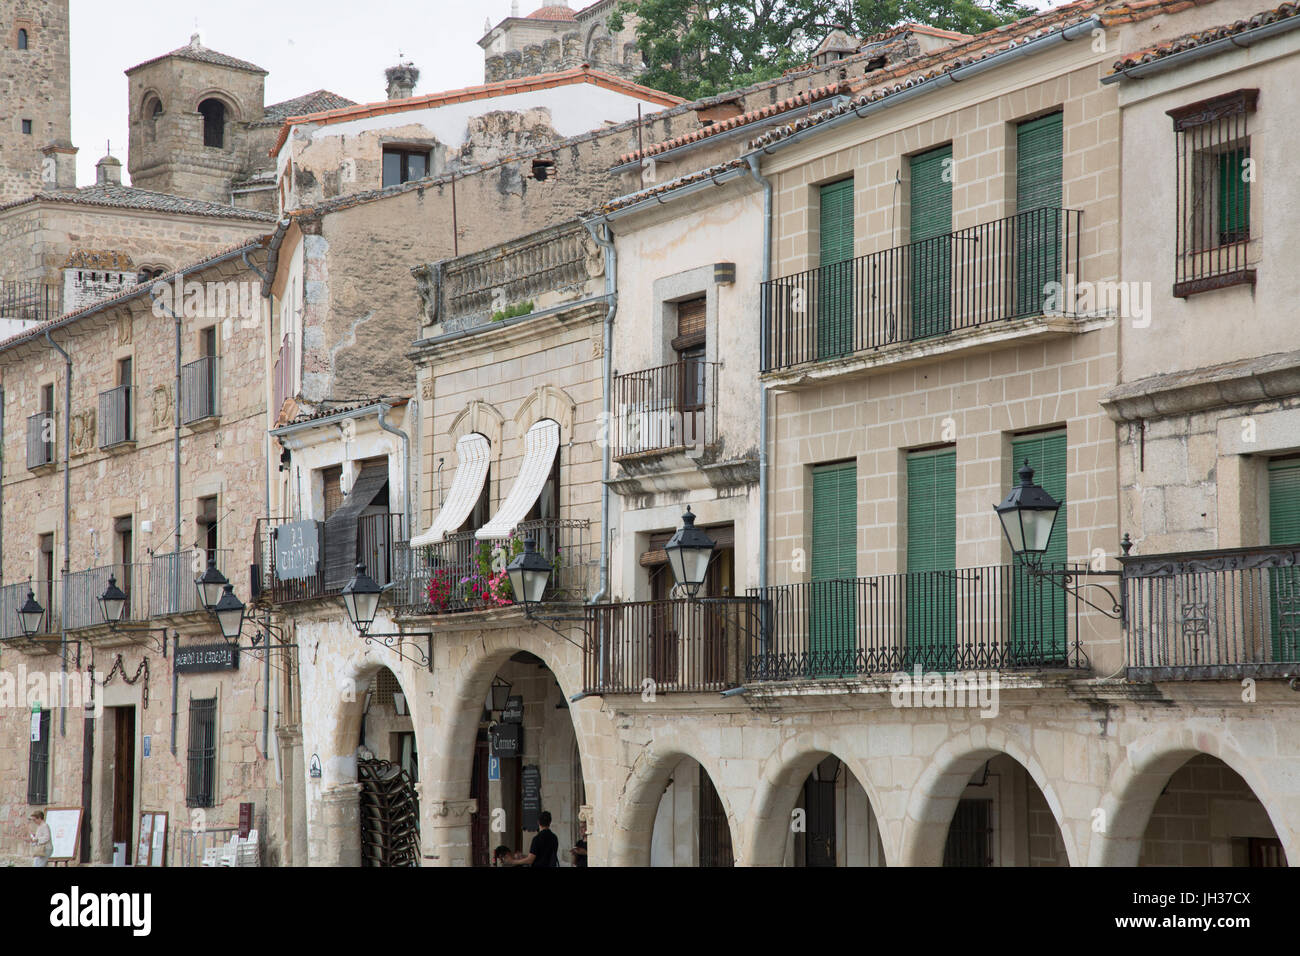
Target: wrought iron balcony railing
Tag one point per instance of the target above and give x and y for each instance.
(116, 416)
(376, 539)
(28, 301)
(1010, 268)
(82, 589)
(665, 646)
(672, 406)
(988, 618)
(1213, 614)
(462, 573)
(40, 439)
(12, 597)
(200, 390)
(172, 575)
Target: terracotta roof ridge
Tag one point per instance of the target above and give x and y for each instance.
(578, 74)
(1196, 38)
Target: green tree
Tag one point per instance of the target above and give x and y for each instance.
(698, 48)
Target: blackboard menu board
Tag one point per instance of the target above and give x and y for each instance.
(532, 785)
(506, 740)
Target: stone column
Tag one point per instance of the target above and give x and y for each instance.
(445, 831)
(338, 840)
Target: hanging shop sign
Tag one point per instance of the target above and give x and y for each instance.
(202, 658)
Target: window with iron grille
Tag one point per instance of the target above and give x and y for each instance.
(1214, 176)
(200, 789)
(38, 764)
(970, 835)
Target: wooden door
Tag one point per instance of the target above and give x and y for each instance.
(123, 776)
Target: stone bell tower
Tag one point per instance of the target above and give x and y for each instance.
(190, 114)
(35, 97)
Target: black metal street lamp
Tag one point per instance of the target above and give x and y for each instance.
(230, 614)
(689, 553)
(500, 694)
(1028, 515)
(113, 602)
(31, 614)
(361, 599)
(529, 574)
(210, 584)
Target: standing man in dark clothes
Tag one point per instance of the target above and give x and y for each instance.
(545, 848)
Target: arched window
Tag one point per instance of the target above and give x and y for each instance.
(214, 123)
(153, 109)
(22, 39)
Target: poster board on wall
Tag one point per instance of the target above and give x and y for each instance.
(152, 844)
(65, 828)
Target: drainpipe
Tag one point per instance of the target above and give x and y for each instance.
(67, 510)
(156, 293)
(607, 373)
(752, 160)
(406, 462)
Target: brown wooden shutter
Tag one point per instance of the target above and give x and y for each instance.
(332, 478)
(723, 535)
(692, 317)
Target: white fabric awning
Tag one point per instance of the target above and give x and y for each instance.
(540, 445)
(473, 453)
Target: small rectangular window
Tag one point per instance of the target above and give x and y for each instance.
(1214, 174)
(202, 756)
(404, 165)
(27, 127)
(207, 522)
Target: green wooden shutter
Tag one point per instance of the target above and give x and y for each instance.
(832, 624)
(1038, 621)
(1234, 197)
(931, 242)
(1284, 583)
(835, 276)
(1038, 222)
(931, 584)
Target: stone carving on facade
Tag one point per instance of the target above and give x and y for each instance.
(593, 257)
(124, 330)
(459, 809)
(161, 407)
(426, 389)
(428, 284)
(82, 432)
(598, 341)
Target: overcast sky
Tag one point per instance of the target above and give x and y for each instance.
(338, 45)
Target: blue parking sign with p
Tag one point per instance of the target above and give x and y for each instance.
(494, 767)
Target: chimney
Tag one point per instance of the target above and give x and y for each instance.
(401, 81)
(108, 170)
(59, 166)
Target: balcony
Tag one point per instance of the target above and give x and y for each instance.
(462, 573)
(305, 571)
(679, 645)
(81, 591)
(12, 597)
(200, 388)
(669, 408)
(531, 273)
(116, 424)
(1213, 614)
(40, 440)
(171, 588)
(924, 291)
(990, 618)
(27, 302)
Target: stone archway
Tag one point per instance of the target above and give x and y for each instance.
(457, 711)
(1022, 802)
(1251, 796)
(653, 787)
(336, 671)
(773, 835)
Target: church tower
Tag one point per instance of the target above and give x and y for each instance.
(35, 98)
(190, 113)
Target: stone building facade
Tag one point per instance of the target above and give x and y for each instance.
(163, 723)
(35, 95)
(555, 37)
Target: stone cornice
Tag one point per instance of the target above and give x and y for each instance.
(1242, 382)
